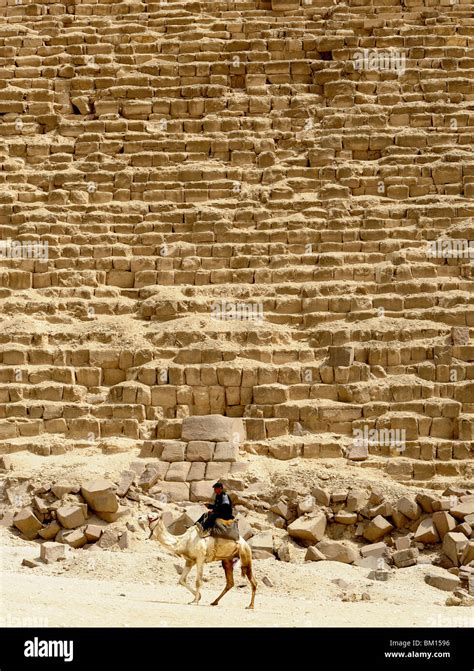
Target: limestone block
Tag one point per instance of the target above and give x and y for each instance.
(200, 450)
(215, 428)
(308, 528)
(100, 495)
(226, 452)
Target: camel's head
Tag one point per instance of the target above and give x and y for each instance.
(152, 520)
(152, 517)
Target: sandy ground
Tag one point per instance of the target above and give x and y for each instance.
(138, 586)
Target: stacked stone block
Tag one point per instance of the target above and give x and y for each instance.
(187, 468)
(171, 158)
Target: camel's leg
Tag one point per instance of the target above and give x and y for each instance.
(199, 572)
(228, 566)
(182, 579)
(247, 570)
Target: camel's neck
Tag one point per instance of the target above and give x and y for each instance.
(164, 537)
(180, 545)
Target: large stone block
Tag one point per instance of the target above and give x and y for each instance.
(6, 463)
(374, 550)
(356, 499)
(322, 496)
(201, 491)
(93, 532)
(173, 450)
(443, 522)
(427, 532)
(269, 394)
(460, 335)
(178, 471)
(426, 502)
(255, 428)
(285, 451)
(447, 174)
(61, 488)
(377, 529)
(462, 509)
(468, 553)
(338, 551)
(216, 470)
(48, 532)
(100, 495)
(197, 471)
(71, 516)
(122, 511)
(285, 5)
(344, 517)
(245, 529)
(27, 522)
(453, 545)
(399, 519)
(308, 528)
(405, 558)
(282, 509)
(358, 452)
(200, 450)
(175, 491)
(152, 474)
(75, 538)
(127, 478)
(306, 505)
(446, 582)
(313, 554)
(215, 428)
(340, 356)
(262, 541)
(226, 452)
(52, 552)
(109, 538)
(408, 507)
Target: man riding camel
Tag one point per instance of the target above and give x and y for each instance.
(221, 507)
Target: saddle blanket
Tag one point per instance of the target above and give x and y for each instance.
(228, 529)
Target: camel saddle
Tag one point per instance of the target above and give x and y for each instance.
(228, 529)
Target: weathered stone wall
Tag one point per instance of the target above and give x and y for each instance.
(259, 210)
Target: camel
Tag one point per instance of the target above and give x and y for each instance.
(199, 550)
